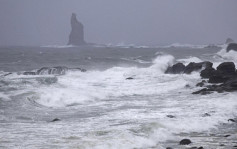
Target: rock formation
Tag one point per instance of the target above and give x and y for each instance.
(229, 40)
(231, 46)
(76, 36)
(222, 79)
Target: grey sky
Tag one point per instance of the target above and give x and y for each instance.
(142, 22)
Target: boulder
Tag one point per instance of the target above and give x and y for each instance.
(207, 72)
(185, 142)
(76, 36)
(29, 73)
(231, 46)
(217, 79)
(197, 66)
(52, 70)
(227, 68)
(59, 70)
(55, 120)
(176, 69)
(229, 40)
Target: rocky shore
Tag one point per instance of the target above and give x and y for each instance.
(222, 79)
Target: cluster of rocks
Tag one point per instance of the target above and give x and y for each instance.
(222, 79)
(231, 45)
(60, 70)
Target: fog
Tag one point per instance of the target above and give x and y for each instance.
(141, 22)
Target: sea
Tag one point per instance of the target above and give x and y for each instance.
(123, 100)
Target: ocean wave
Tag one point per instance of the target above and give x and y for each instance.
(58, 46)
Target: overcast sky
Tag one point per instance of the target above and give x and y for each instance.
(142, 22)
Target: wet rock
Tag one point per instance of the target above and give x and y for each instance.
(201, 84)
(170, 116)
(226, 136)
(204, 91)
(227, 68)
(235, 146)
(129, 78)
(217, 79)
(231, 120)
(207, 72)
(176, 69)
(55, 120)
(231, 46)
(197, 66)
(169, 148)
(229, 40)
(76, 36)
(29, 73)
(196, 147)
(185, 142)
(206, 115)
(60, 70)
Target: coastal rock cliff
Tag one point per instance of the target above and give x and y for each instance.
(76, 36)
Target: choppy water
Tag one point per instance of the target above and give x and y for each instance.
(100, 109)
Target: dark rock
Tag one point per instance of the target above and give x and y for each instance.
(206, 115)
(129, 78)
(231, 120)
(196, 147)
(169, 148)
(235, 146)
(76, 36)
(197, 66)
(226, 136)
(29, 73)
(229, 40)
(201, 84)
(231, 46)
(7, 74)
(227, 68)
(204, 91)
(218, 79)
(53, 70)
(170, 116)
(176, 69)
(222, 144)
(55, 120)
(185, 142)
(59, 70)
(207, 72)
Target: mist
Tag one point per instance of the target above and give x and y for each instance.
(141, 22)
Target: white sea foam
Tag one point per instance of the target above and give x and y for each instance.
(58, 46)
(190, 59)
(231, 55)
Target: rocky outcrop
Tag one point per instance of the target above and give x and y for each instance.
(60, 70)
(176, 69)
(185, 142)
(196, 66)
(191, 67)
(222, 79)
(231, 46)
(229, 40)
(76, 36)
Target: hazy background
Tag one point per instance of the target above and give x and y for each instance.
(142, 22)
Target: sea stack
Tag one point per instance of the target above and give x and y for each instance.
(76, 36)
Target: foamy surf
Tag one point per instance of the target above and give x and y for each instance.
(118, 107)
